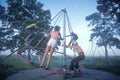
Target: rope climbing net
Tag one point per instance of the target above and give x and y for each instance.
(28, 53)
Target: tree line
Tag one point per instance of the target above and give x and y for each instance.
(105, 24)
(16, 16)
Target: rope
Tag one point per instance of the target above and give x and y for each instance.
(57, 17)
(69, 25)
(18, 48)
(12, 53)
(38, 66)
(39, 41)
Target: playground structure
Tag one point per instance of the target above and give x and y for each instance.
(26, 51)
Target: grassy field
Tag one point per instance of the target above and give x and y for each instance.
(110, 65)
(14, 64)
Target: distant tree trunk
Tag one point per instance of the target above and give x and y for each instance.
(29, 54)
(106, 51)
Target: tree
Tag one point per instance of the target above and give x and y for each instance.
(105, 25)
(3, 33)
(21, 13)
(111, 11)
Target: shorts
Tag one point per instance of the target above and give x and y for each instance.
(52, 42)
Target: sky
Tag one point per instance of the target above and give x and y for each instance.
(77, 11)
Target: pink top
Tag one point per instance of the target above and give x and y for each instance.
(54, 34)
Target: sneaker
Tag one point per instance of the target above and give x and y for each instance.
(18, 53)
(63, 69)
(72, 72)
(77, 70)
(42, 66)
(47, 68)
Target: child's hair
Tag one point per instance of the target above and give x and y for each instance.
(74, 43)
(57, 28)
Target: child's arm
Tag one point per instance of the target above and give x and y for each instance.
(31, 26)
(47, 35)
(67, 46)
(60, 37)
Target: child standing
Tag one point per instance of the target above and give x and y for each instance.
(54, 35)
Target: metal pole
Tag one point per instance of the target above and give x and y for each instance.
(64, 36)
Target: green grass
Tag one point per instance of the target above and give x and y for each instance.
(110, 65)
(58, 62)
(15, 64)
(12, 65)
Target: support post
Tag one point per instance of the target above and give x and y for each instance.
(64, 36)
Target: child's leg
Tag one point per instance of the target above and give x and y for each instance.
(45, 54)
(49, 56)
(72, 64)
(70, 42)
(77, 65)
(39, 57)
